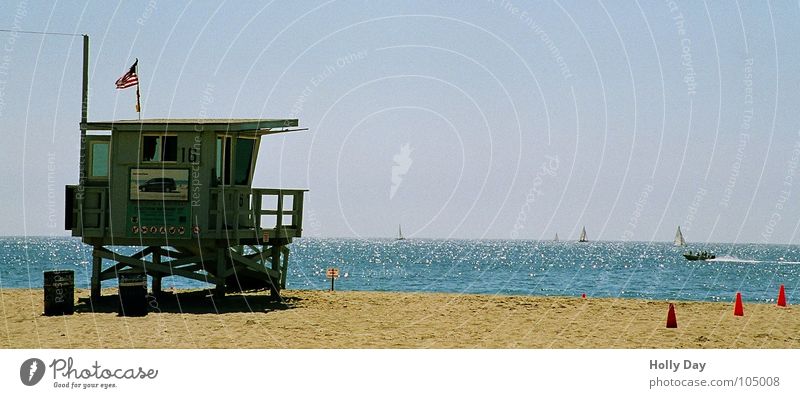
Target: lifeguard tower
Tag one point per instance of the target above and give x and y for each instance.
(181, 189)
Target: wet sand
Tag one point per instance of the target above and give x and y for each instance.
(319, 319)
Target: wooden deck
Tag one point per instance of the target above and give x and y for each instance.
(267, 212)
(239, 245)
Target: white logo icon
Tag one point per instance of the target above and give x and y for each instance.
(402, 163)
(31, 371)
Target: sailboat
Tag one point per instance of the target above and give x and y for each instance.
(583, 236)
(556, 238)
(400, 233)
(679, 241)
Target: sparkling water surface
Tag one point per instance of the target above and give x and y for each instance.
(600, 269)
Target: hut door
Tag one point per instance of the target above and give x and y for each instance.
(234, 166)
(242, 170)
(243, 166)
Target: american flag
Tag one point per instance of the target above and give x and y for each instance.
(129, 79)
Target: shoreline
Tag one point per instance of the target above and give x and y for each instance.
(373, 319)
(668, 242)
(209, 289)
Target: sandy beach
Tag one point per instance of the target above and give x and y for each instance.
(320, 319)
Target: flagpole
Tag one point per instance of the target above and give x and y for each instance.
(138, 104)
(138, 80)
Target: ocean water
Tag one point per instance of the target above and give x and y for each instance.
(600, 269)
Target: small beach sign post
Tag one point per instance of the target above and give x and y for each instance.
(332, 274)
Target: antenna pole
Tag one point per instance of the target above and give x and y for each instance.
(84, 113)
(84, 117)
(85, 90)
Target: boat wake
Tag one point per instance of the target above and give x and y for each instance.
(732, 259)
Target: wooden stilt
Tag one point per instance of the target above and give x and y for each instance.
(156, 275)
(219, 292)
(274, 290)
(97, 262)
(285, 267)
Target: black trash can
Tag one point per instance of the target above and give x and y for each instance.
(59, 292)
(132, 293)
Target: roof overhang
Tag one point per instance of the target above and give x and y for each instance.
(253, 126)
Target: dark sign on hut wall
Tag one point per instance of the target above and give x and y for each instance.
(159, 184)
(154, 219)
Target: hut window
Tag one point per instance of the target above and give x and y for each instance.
(244, 157)
(223, 163)
(99, 159)
(159, 148)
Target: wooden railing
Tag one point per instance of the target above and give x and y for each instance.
(234, 213)
(242, 212)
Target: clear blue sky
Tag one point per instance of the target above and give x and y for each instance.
(521, 119)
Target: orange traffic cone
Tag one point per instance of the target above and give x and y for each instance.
(738, 309)
(672, 322)
(782, 297)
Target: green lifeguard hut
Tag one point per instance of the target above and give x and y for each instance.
(181, 189)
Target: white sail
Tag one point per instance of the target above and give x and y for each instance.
(679, 241)
(556, 238)
(583, 236)
(400, 233)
